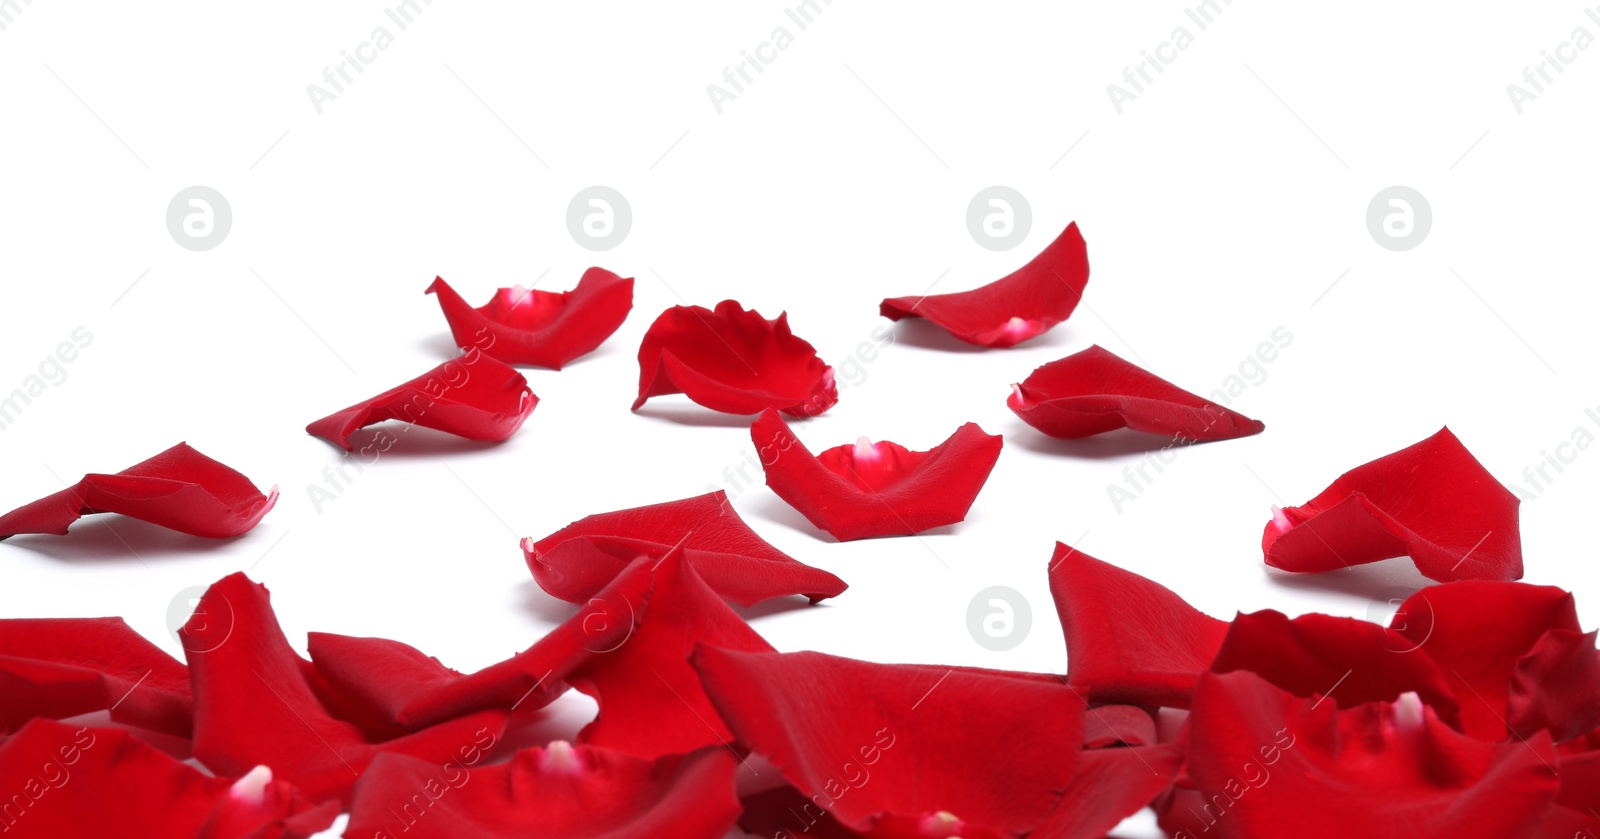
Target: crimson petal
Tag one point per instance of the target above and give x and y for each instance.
(734, 361)
(1094, 391)
(1118, 725)
(1556, 687)
(876, 489)
(474, 396)
(66, 780)
(540, 328)
(179, 489)
(557, 792)
(255, 705)
(1129, 639)
(1432, 501)
(862, 739)
(63, 667)
(578, 560)
(1381, 770)
(1109, 786)
(1014, 308)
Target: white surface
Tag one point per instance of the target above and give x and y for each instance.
(842, 175)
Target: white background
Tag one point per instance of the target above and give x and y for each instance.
(1220, 204)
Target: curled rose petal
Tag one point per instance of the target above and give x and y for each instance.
(255, 703)
(858, 739)
(1109, 786)
(66, 780)
(734, 361)
(1094, 391)
(1014, 308)
(1129, 640)
(1432, 501)
(578, 560)
(876, 489)
(1556, 687)
(179, 489)
(540, 328)
(1118, 725)
(63, 667)
(557, 792)
(1268, 763)
(474, 396)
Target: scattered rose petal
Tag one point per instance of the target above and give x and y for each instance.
(734, 361)
(557, 792)
(1556, 687)
(1118, 725)
(474, 396)
(179, 489)
(1129, 640)
(876, 489)
(1093, 391)
(63, 667)
(1109, 786)
(578, 560)
(1432, 501)
(1014, 308)
(66, 780)
(540, 328)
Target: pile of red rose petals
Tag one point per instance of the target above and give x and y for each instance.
(1475, 712)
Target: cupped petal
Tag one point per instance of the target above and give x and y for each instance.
(68, 780)
(1268, 763)
(1432, 501)
(1094, 391)
(556, 792)
(179, 489)
(62, 667)
(1129, 639)
(475, 396)
(1556, 687)
(255, 703)
(1021, 305)
(540, 328)
(1118, 725)
(580, 559)
(734, 361)
(902, 748)
(876, 489)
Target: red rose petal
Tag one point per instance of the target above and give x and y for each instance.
(1349, 661)
(63, 667)
(1556, 687)
(474, 396)
(1093, 391)
(557, 792)
(876, 489)
(254, 704)
(1268, 763)
(65, 780)
(1010, 310)
(734, 361)
(786, 812)
(1432, 501)
(1478, 632)
(1118, 725)
(899, 748)
(578, 560)
(179, 489)
(1129, 640)
(1109, 786)
(540, 328)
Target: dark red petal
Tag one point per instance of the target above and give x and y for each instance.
(63, 667)
(1432, 501)
(897, 746)
(1109, 786)
(1579, 800)
(540, 328)
(474, 396)
(558, 792)
(734, 361)
(179, 489)
(1268, 763)
(786, 812)
(1118, 725)
(1129, 640)
(1014, 308)
(1478, 632)
(1556, 687)
(1094, 391)
(254, 704)
(65, 780)
(578, 560)
(1349, 661)
(876, 489)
